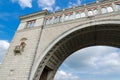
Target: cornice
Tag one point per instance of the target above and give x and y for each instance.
(34, 14)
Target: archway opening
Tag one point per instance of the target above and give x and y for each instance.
(93, 35)
(45, 73)
(91, 63)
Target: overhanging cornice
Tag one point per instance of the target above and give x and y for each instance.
(34, 14)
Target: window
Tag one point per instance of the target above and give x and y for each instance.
(90, 13)
(95, 11)
(83, 14)
(30, 24)
(104, 10)
(118, 6)
(109, 9)
(77, 15)
(23, 39)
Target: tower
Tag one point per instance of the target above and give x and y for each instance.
(21, 53)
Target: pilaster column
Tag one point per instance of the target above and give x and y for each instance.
(114, 6)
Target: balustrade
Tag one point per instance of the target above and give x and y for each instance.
(81, 13)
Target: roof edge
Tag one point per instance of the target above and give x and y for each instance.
(33, 14)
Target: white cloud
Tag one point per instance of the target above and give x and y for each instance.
(90, 63)
(111, 60)
(62, 75)
(71, 4)
(77, 3)
(3, 47)
(57, 8)
(24, 3)
(46, 4)
(95, 59)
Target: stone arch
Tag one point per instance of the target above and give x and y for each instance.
(23, 39)
(101, 33)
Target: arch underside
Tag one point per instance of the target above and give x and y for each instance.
(104, 35)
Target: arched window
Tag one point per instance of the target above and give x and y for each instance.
(83, 14)
(95, 11)
(77, 15)
(30, 23)
(90, 13)
(23, 39)
(109, 9)
(104, 10)
(118, 6)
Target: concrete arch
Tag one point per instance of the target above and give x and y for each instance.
(88, 29)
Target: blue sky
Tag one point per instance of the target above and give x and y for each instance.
(101, 65)
(92, 63)
(10, 11)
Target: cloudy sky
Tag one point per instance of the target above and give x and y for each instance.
(93, 63)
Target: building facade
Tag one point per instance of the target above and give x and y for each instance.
(44, 40)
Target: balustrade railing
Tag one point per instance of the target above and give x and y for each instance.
(81, 12)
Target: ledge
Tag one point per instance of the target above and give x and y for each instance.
(34, 14)
(85, 19)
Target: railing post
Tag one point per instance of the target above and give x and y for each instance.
(85, 11)
(114, 6)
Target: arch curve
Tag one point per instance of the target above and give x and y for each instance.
(99, 33)
(23, 39)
